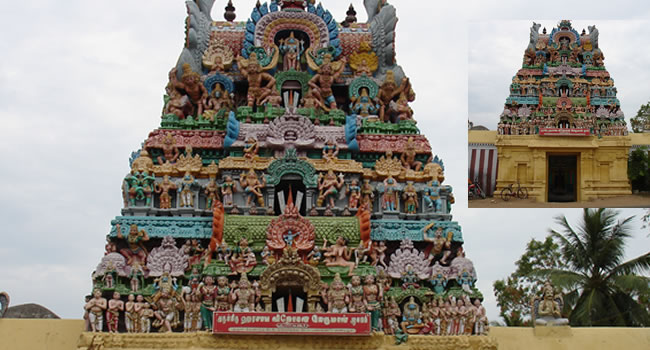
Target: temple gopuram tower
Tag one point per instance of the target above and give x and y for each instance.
(288, 191)
(562, 133)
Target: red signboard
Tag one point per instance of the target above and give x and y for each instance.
(291, 323)
(564, 132)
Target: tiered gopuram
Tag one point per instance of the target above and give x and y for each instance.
(287, 177)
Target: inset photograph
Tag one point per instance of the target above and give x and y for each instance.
(549, 126)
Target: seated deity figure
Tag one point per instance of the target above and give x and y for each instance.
(337, 297)
(329, 187)
(95, 308)
(321, 83)
(364, 105)
(250, 148)
(135, 252)
(408, 156)
(170, 150)
(218, 99)
(338, 254)
(330, 150)
(252, 71)
(549, 307)
(252, 187)
(243, 297)
(192, 86)
(243, 257)
(387, 92)
(411, 318)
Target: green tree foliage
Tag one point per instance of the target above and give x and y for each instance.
(601, 288)
(514, 293)
(638, 169)
(642, 118)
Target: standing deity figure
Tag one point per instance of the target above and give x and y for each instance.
(408, 156)
(481, 324)
(367, 194)
(147, 314)
(222, 294)
(135, 252)
(410, 196)
(138, 310)
(462, 316)
(353, 191)
(440, 245)
(392, 314)
(364, 105)
(252, 71)
(115, 305)
(328, 187)
(192, 86)
(163, 189)
(130, 314)
(291, 49)
(250, 148)
(337, 296)
(206, 292)
(357, 297)
(387, 92)
(185, 190)
(252, 187)
(139, 186)
(378, 254)
(95, 308)
(373, 295)
(227, 189)
(321, 83)
(136, 276)
(432, 196)
(389, 198)
(338, 254)
(211, 192)
(169, 148)
(243, 297)
(432, 319)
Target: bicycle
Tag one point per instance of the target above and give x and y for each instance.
(520, 192)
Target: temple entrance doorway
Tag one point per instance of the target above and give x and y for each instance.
(294, 183)
(289, 298)
(562, 178)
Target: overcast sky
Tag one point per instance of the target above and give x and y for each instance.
(81, 85)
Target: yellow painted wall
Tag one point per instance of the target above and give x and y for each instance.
(16, 334)
(47, 334)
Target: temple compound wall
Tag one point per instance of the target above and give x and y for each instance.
(67, 334)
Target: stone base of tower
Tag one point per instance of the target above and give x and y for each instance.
(206, 340)
(564, 168)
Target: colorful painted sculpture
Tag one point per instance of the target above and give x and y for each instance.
(275, 135)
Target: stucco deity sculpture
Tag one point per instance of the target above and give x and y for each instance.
(330, 150)
(95, 308)
(192, 86)
(163, 187)
(130, 315)
(338, 254)
(185, 191)
(387, 92)
(218, 99)
(211, 190)
(358, 301)
(243, 257)
(547, 309)
(411, 318)
(432, 196)
(329, 186)
(135, 252)
(321, 83)
(408, 156)
(337, 297)
(227, 189)
(390, 195)
(252, 187)
(367, 194)
(253, 72)
(222, 294)
(115, 306)
(207, 294)
(364, 105)
(166, 313)
(139, 187)
(441, 245)
(291, 50)
(410, 196)
(243, 297)
(373, 294)
(170, 150)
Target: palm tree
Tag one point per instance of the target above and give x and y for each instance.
(602, 289)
